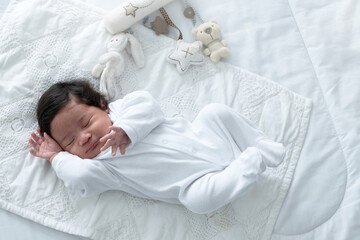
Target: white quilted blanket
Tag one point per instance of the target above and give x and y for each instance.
(45, 41)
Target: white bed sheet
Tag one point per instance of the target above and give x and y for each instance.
(312, 48)
(14, 227)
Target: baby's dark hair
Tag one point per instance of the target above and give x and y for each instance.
(59, 94)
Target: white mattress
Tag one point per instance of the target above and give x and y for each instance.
(312, 48)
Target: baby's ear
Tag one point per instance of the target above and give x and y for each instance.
(103, 105)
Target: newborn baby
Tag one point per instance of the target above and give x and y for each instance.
(129, 145)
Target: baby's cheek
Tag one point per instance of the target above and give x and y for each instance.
(75, 151)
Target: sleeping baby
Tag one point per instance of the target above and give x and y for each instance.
(129, 145)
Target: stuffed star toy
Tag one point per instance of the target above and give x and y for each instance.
(186, 54)
(111, 64)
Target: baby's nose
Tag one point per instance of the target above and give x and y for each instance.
(208, 30)
(84, 138)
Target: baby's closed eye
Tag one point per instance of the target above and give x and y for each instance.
(87, 122)
(73, 139)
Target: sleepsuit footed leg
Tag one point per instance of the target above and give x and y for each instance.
(233, 127)
(216, 189)
(255, 152)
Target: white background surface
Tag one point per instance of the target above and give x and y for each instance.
(313, 48)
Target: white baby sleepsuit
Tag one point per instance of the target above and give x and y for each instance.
(202, 165)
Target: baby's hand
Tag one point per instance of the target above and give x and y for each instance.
(117, 138)
(45, 146)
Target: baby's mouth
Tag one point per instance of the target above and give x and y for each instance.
(92, 146)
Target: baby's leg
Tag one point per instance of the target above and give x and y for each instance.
(231, 126)
(215, 189)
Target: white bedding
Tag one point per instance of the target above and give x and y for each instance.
(312, 48)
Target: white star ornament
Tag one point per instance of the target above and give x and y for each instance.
(186, 54)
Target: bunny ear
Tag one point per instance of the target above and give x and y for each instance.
(134, 48)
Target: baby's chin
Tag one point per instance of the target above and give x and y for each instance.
(94, 154)
(89, 156)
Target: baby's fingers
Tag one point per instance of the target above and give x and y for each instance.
(122, 148)
(36, 138)
(47, 137)
(38, 130)
(33, 152)
(107, 145)
(114, 150)
(107, 137)
(34, 144)
(113, 128)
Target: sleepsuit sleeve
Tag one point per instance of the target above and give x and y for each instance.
(86, 177)
(138, 113)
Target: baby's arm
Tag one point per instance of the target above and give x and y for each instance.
(85, 177)
(138, 113)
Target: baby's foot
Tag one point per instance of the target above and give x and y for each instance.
(273, 153)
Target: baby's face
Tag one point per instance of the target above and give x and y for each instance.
(78, 127)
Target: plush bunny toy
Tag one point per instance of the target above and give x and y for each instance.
(111, 64)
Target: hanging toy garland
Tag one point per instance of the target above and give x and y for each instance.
(185, 54)
(206, 34)
(209, 34)
(159, 26)
(168, 21)
(190, 13)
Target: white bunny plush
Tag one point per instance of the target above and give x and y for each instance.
(111, 64)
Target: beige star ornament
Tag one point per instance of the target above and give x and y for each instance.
(130, 9)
